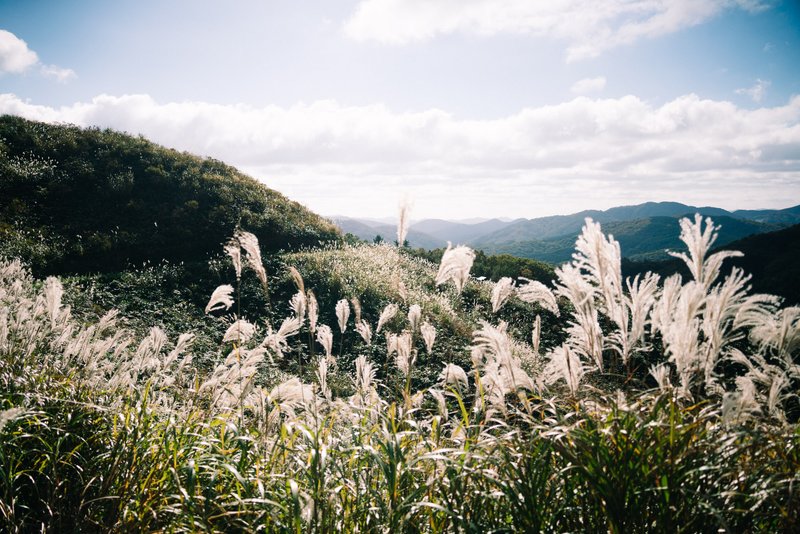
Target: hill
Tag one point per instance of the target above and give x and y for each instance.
(368, 230)
(83, 200)
(773, 259)
(640, 239)
(457, 232)
(645, 230)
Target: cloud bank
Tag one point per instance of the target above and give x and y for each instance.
(550, 159)
(589, 27)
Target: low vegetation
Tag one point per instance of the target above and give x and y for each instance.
(433, 403)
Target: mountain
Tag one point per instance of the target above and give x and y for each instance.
(368, 229)
(543, 228)
(772, 258)
(88, 200)
(551, 238)
(646, 238)
(457, 232)
(644, 230)
(782, 217)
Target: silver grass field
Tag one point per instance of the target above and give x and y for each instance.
(668, 405)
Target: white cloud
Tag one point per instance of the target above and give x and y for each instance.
(757, 91)
(588, 85)
(15, 56)
(588, 26)
(551, 159)
(61, 75)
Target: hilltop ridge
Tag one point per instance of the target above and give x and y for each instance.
(86, 200)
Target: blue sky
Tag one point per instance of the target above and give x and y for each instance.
(469, 107)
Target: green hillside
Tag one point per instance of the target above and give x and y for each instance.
(773, 259)
(640, 239)
(83, 200)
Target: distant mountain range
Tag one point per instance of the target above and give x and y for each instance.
(645, 231)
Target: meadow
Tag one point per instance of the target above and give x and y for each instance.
(381, 393)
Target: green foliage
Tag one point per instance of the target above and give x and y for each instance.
(496, 266)
(89, 200)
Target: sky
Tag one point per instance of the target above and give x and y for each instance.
(467, 108)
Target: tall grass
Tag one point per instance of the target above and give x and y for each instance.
(101, 432)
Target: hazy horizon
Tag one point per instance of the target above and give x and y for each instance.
(471, 109)
(479, 218)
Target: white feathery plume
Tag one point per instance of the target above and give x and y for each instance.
(405, 355)
(740, 404)
(356, 309)
(298, 279)
(53, 292)
(633, 318)
(399, 286)
(6, 416)
(342, 314)
(108, 321)
(565, 363)
(391, 343)
(403, 221)
(599, 258)
(414, 315)
(288, 397)
(365, 374)
(239, 332)
(233, 250)
(780, 382)
(536, 334)
(770, 328)
(453, 375)
(4, 330)
(184, 341)
(364, 331)
(533, 291)
(220, 298)
(289, 327)
(386, 315)
(325, 338)
(146, 356)
(313, 312)
(441, 402)
(299, 302)
(277, 340)
(660, 373)
(249, 243)
(502, 369)
(503, 289)
(478, 357)
(455, 266)
(699, 242)
(585, 334)
(322, 377)
(428, 332)
(722, 302)
(677, 315)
